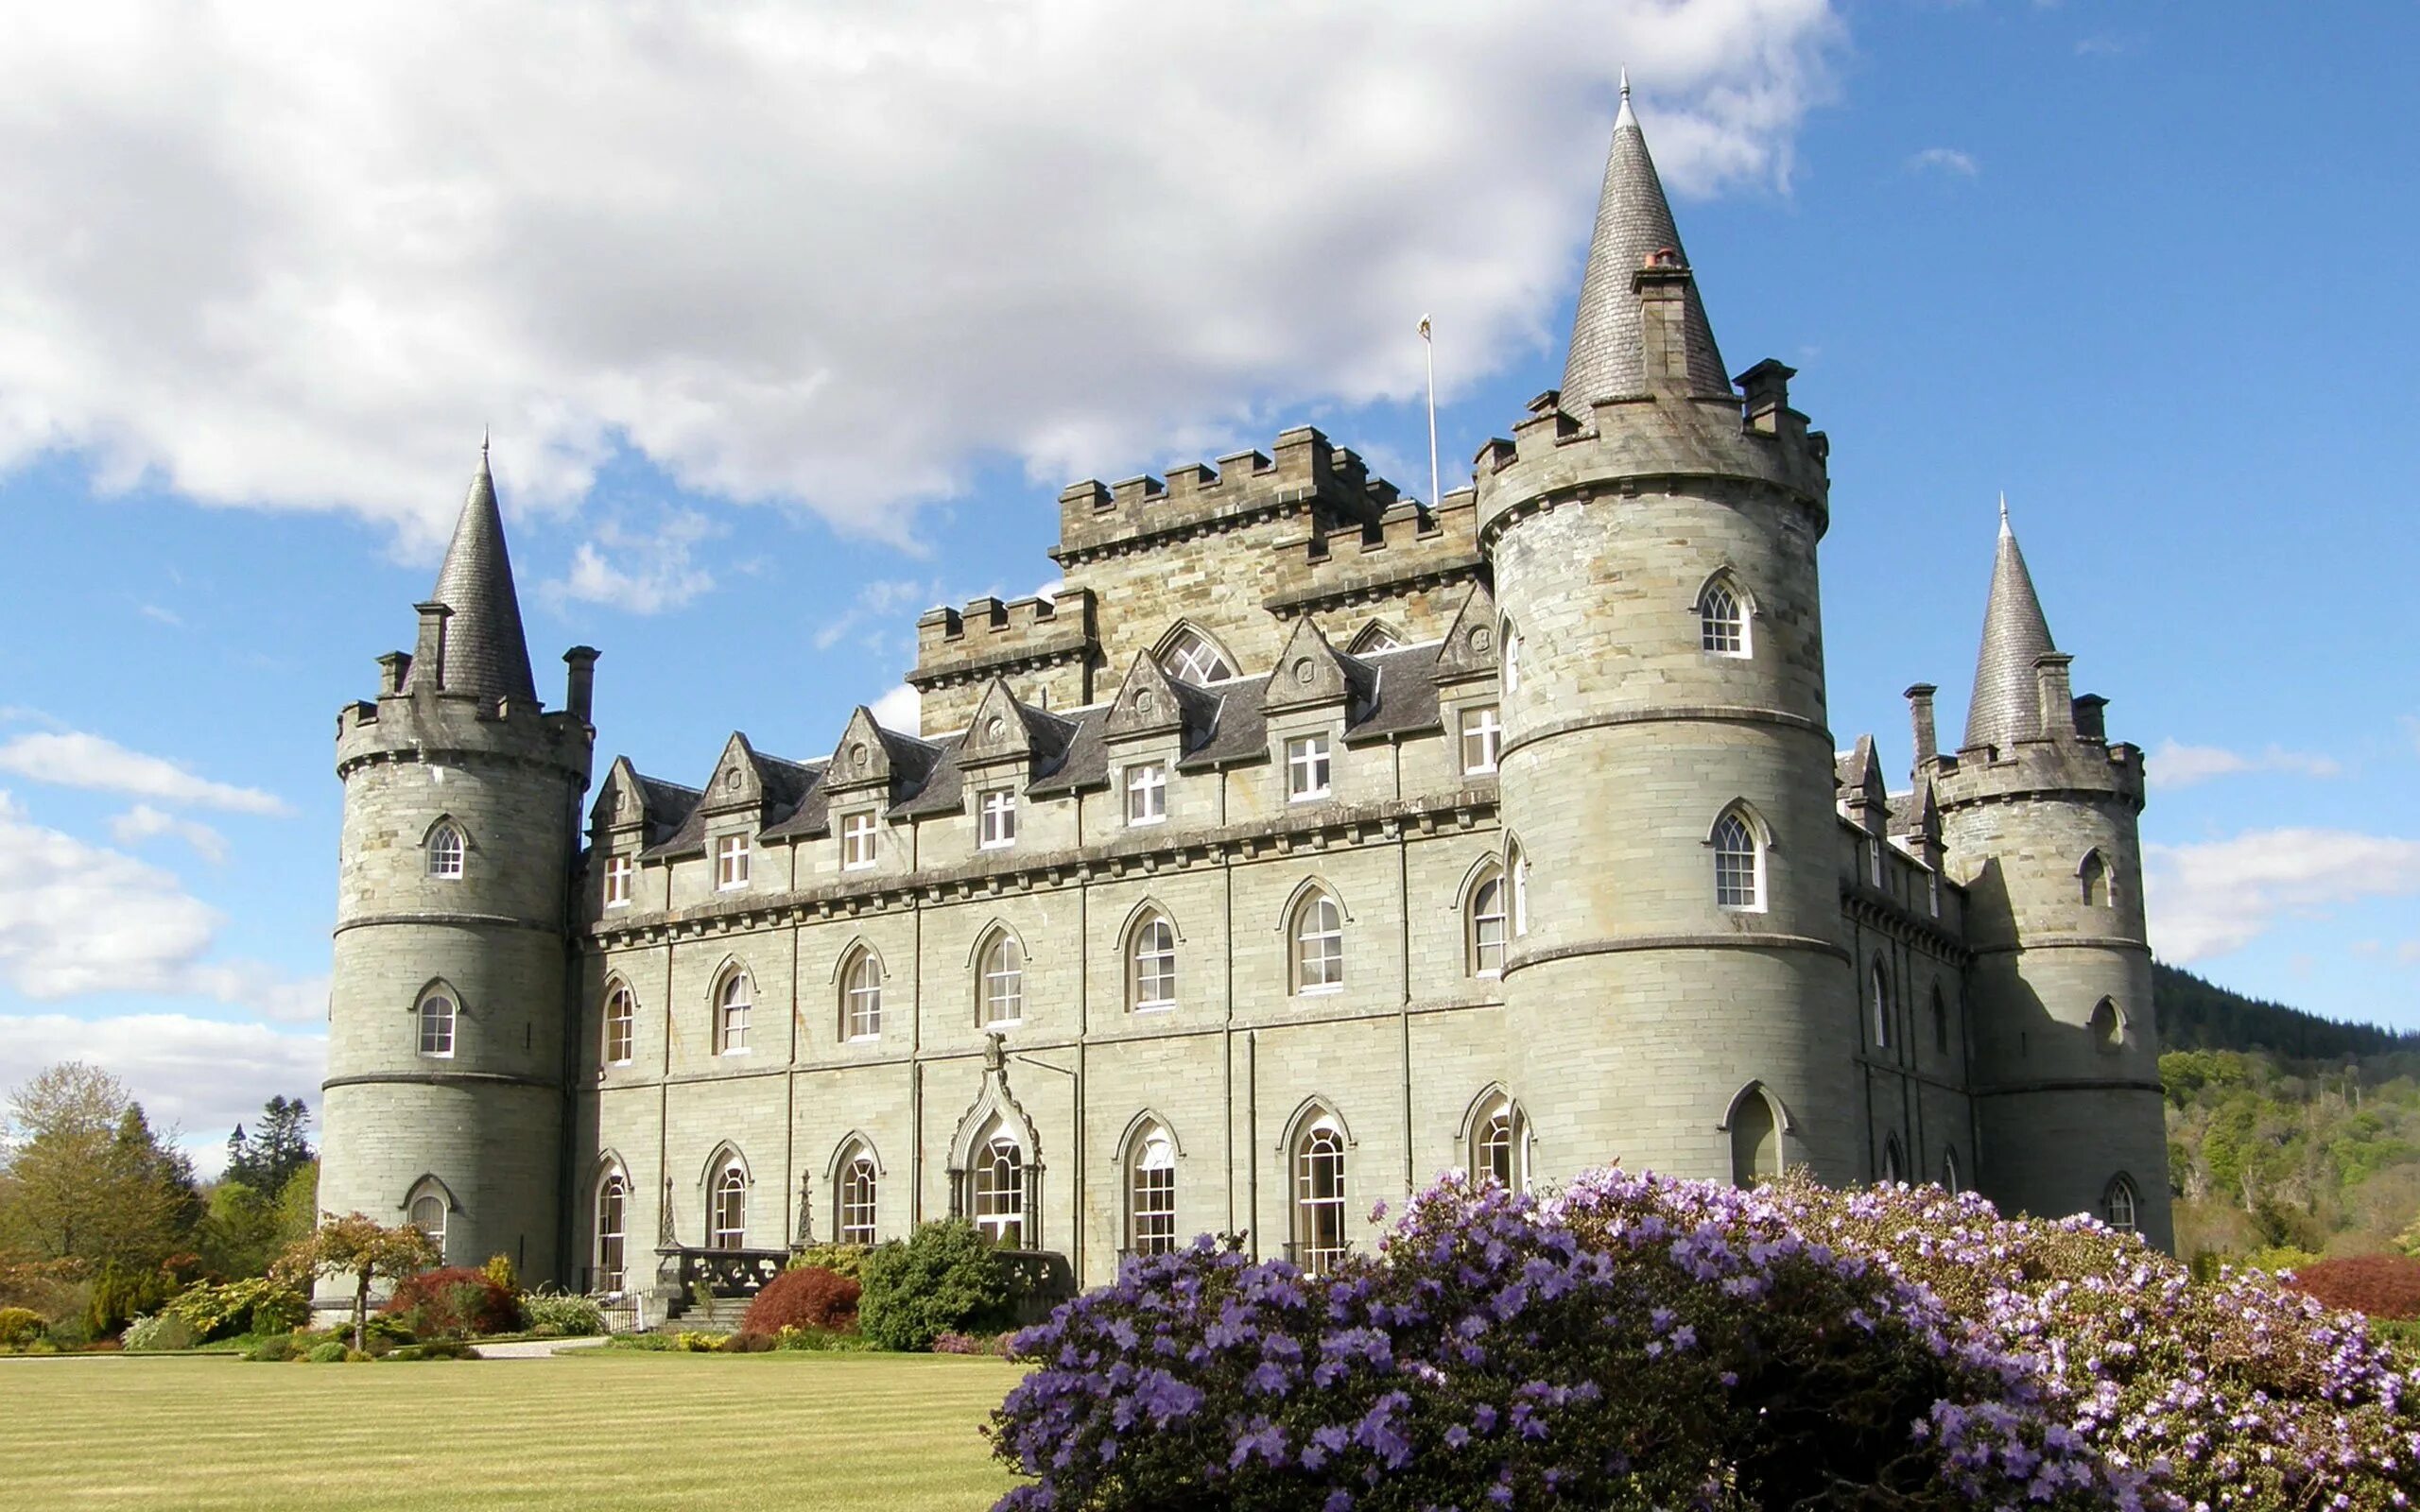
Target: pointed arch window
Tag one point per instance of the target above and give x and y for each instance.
(436, 1023)
(1193, 657)
(861, 997)
(1517, 868)
(2117, 1205)
(1151, 980)
(429, 1216)
(1940, 1020)
(1496, 1140)
(445, 852)
(1893, 1167)
(621, 1025)
(612, 1230)
(855, 1197)
(2092, 880)
(1755, 1138)
(2108, 1025)
(1722, 619)
(1738, 864)
(734, 1002)
(999, 1181)
(1150, 1194)
(1490, 920)
(1373, 637)
(727, 1224)
(1879, 1005)
(1949, 1171)
(1319, 945)
(1000, 991)
(1318, 1195)
(1508, 663)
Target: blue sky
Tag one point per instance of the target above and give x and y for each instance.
(805, 332)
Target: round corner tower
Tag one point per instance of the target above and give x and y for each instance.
(2039, 821)
(447, 1012)
(1677, 989)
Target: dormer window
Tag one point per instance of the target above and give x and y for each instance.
(731, 862)
(999, 820)
(1193, 658)
(1482, 739)
(857, 841)
(1147, 794)
(619, 871)
(446, 854)
(1308, 769)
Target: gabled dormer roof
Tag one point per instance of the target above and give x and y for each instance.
(747, 777)
(1311, 670)
(1607, 357)
(1150, 701)
(486, 653)
(1469, 648)
(1005, 729)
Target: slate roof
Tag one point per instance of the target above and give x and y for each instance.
(2007, 702)
(485, 651)
(1607, 356)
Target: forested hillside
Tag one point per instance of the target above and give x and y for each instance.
(2289, 1135)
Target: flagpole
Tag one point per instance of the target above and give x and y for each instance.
(1428, 345)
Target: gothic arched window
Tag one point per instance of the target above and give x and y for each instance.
(1000, 1191)
(2092, 880)
(1495, 1144)
(2108, 1025)
(734, 1004)
(2117, 1205)
(1722, 619)
(1318, 944)
(1738, 864)
(854, 1199)
(429, 1216)
(1318, 1195)
(1490, 915)
(436, 1013)
(1755, 1138)
(1151, 981)
(613, 1224)
(861, 997)
(1940, 1020)
(1000, 987)
(445, 852)
(1893, 1168)
(621, 1025)
(1150, 1193)
(727, 1226)
(1879, 1005)
(1193, 657)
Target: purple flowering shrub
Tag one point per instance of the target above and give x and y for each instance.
(1613, 1347)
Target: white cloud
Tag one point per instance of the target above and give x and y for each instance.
(79, 919)
(643, 575)
(2218, 896)
(830, 254)
(75, 759)
(1945, 160)
(200, 1075)
(878, 599)
(900, 709)
(165, 616)
(144, 822)
(2174, 766)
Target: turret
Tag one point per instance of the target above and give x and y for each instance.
(2038, 816)
(1677, 990)
(444, 1102)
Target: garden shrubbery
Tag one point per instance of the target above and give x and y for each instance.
(1643, 1341)
(944, 1278)
(160, 1331)
(2383, 1286)
(847, 1260)
(19, 1327)
(811, 1298)
(259, 1305)
(453, 1302)
(561, 1315)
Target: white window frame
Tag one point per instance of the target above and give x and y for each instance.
(1723, 620)
(612, 1231)
(620, 873)
(727, 1208)
(1509, 666)
(436, 1018)
(996, 1192)
(856, 1200)
(733, 857)
(1518, 868)
(999, 988)
(621, 1027)
(1320, 1175)
(1151, 1195)
(1318, 945)
(1495, 1146)
(1491, 925)
(1738, 870)
(448, 853)
(1147, 794)
(1879, 1002)
(1484, 725)
(998, 821)
(2121, 1205)
(859, 842)
(1193, 657)
(861, 998)
(735, 1005)
(1310, 768)
(1151, 980)
(429, 1216)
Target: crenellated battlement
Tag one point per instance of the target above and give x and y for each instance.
(991, 634)
(1407, 547)
(1306, 468)
(2063, 766)
(426, 725)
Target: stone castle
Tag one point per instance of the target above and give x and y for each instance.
(1312, 840)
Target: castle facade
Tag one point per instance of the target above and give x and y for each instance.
(1311, 840)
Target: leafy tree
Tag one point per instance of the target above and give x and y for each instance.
(298, 1205)
(265, 1162)
(241, 1233)
(945, 1278)
(86, 1178)
(359, 1246)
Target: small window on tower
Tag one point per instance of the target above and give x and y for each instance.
(2093, 877)
(1723, 620)
(445, 852)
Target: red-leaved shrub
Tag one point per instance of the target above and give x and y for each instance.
(2384, 1286)
(454, 1303)
(808, 1297)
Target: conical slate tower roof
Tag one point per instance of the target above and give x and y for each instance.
(485, 651)
(1634, 224)
(2007, 705)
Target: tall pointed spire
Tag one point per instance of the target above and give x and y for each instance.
(485, 651)
(2007, 704)
(1633, 228)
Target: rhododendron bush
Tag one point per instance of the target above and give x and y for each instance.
(1641, 1341)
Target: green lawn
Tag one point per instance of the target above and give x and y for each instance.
(591, 1430)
